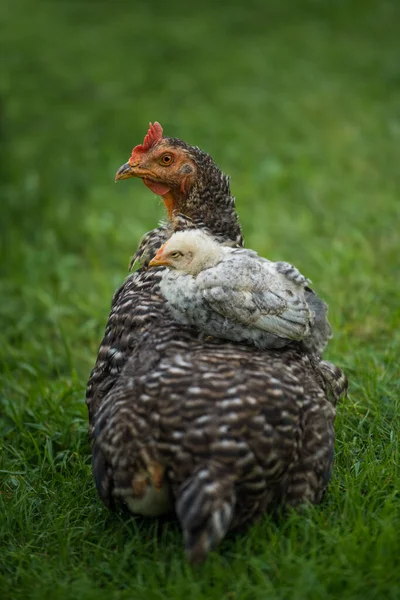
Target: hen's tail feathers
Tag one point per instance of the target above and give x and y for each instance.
(205, 507)
(336, 382)
(102, 477)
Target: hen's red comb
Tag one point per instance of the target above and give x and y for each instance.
(153, 135)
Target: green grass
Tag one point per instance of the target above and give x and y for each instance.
(299, 102)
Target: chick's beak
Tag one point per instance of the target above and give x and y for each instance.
(159, 260)
(127, 170)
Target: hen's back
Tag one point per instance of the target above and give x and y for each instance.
(229, 429)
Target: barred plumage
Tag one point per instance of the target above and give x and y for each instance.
(219, 431)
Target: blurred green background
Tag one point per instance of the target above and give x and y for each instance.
(300, 103)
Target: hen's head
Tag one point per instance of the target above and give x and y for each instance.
(167, 166)
(187, 179)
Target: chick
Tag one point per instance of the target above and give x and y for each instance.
(235, 294)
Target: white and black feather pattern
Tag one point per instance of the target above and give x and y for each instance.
(235, 431)
(218, 431)
(240, 430)
(245, 298)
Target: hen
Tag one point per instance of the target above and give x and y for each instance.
(219, 431)
(237, 295)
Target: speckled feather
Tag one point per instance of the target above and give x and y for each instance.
(237, 295)
(214, 417)
(219, 431)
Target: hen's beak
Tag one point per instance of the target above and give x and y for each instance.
(125, 172)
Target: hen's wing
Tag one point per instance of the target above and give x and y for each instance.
(253, 292)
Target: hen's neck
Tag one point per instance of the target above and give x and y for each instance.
(211, 203)
(209, 200)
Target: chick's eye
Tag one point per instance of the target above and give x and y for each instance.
(167, 159)
(176, 254)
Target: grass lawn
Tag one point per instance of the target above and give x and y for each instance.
(300, 103)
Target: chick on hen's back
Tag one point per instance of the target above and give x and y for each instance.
(235, 294)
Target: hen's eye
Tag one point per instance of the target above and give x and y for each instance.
(167, 159)
(176, 254)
